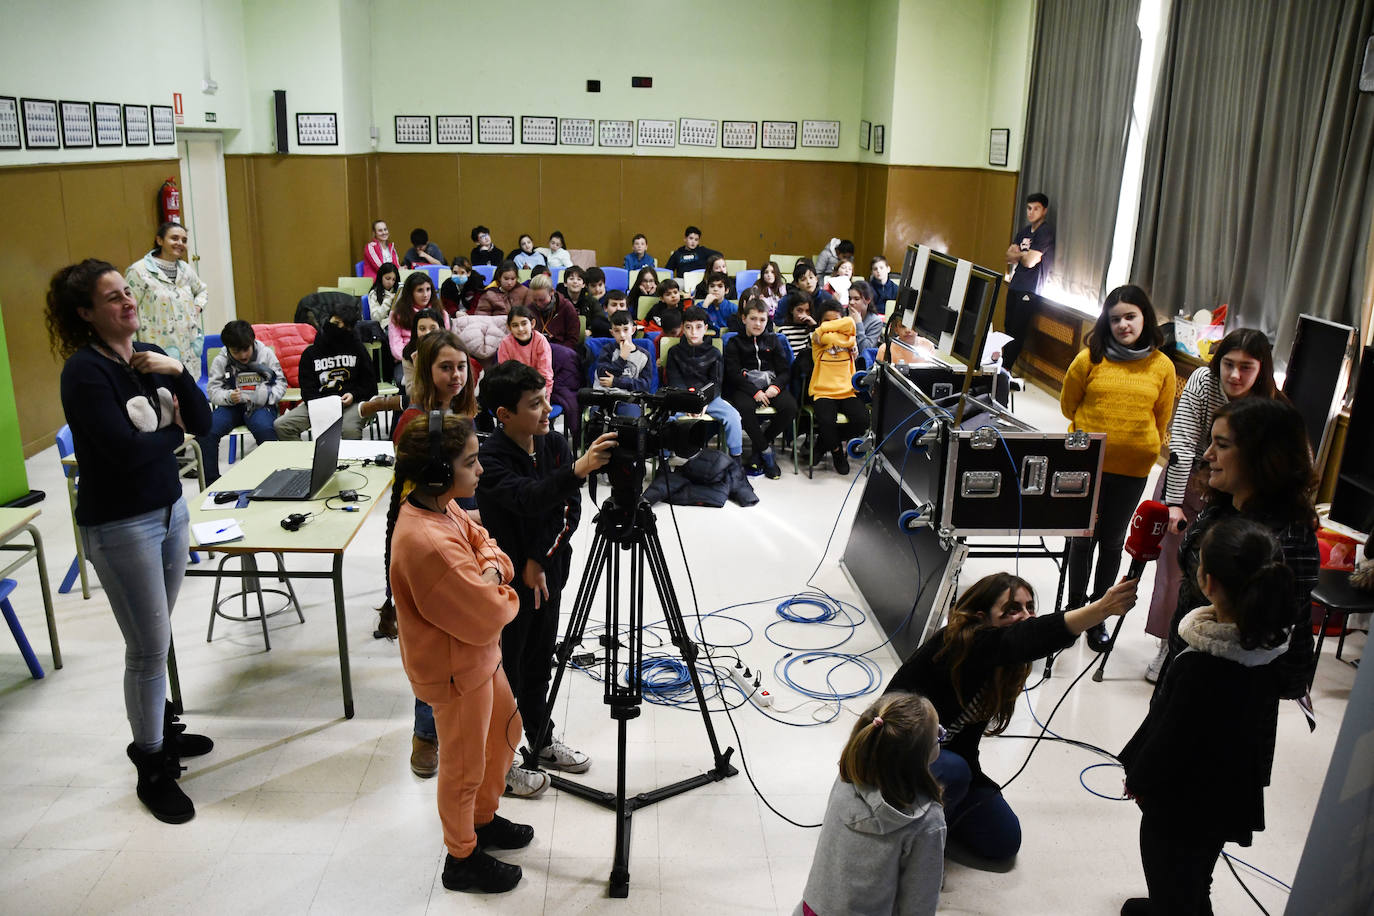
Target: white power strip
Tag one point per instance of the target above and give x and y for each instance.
(751, 684)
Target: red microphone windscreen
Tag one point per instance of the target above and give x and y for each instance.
(1147, 530)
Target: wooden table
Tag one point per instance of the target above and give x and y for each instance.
(328, 532)
(14, 522)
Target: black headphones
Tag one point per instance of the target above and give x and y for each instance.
(437, 475)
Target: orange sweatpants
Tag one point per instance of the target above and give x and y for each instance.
(478, 734)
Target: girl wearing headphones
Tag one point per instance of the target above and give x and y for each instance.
(451, 584)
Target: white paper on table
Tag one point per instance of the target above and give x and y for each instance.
(996, 342)
(324, 412)
(218, 531)
(357, 449)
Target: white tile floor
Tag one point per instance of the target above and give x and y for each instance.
(300, 810)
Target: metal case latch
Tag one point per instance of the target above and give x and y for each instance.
(1034, 474)
(980, 484)
(1071, 483)
(984, 437)
(1077, 441)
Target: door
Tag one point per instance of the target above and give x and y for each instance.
(205, 213)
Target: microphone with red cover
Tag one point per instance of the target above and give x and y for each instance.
(1143, 541)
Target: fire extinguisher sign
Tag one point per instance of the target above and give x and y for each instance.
(178, 109)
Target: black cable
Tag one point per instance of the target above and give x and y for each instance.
(1243, 885)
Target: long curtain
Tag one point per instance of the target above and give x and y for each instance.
(1082, 83)
(1257, 183)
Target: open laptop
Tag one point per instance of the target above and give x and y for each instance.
(298, 483)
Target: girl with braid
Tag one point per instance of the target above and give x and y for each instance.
(452, 587)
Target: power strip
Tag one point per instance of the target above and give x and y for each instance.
(750, 684)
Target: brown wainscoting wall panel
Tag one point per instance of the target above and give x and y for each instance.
(299, 222)
(55, 215)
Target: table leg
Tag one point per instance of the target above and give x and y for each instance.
(47, 595)
(173, 678)
(343, 636)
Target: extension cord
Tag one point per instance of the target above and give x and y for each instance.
(753, 690)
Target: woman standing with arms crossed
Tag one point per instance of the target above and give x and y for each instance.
(171, 298)
(1123, 386)
(1242, 366)
(129, 406)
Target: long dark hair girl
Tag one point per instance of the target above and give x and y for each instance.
(1101, 334)
(387, 269)
(1254, 344)
(972, 611)
(1270, 437)
(403, 307)
(1243, 557)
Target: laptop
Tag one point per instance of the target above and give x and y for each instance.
(298, 483)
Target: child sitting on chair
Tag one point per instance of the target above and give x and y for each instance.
(623, 365)
(696, 363)
(523, 344)
(669, 300)
(719, 310)
(832, 389)
(426, 322)
(244, 384)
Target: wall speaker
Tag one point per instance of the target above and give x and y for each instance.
(1367, 71)
(279, 108)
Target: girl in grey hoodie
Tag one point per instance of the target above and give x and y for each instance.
(882, 844)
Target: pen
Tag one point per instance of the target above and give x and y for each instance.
(225, 528)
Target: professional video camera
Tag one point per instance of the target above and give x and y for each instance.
(651, 432)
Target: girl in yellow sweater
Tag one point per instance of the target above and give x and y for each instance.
(1121, 385)
(451, 585)
(833, 345)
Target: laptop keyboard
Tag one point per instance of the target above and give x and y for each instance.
(286, 482)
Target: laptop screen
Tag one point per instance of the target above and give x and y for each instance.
(326, 457)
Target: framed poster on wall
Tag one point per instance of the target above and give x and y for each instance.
(739, 134)
(9, 123)
(453, 128)
(576, 132)
(615, 133)
(77, 131)
(865, 130)
(40, 124)
(498, 130)
(878, 138)
(999, 138)
(109, 124)
(317, 128)
(136, 125)
(411, 128)
(164, 125)
(538, 131)
(779, 134)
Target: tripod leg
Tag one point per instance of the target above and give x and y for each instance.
(1102, 665)
(577, 623)
(620, 864)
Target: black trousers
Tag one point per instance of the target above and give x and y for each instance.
(827, 412)
(1117, 498)
(762, 434)
(1021, 308)
(1178, 856)
(527, 655)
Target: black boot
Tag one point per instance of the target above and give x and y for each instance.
(157, 785)
(500, 833)
(480, 871)
(176, 739)
(1097, 637)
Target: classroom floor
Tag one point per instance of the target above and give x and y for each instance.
(300, 810)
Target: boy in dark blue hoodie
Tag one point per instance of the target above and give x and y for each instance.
(695, 363)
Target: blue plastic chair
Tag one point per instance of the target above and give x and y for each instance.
(869, 357)
(35, 669)
(745, 279)
(210, 342)
(617, 278)
(433, 271)
(358, 269)
(78, 567)
(596, 344)
(488, 271)
(556, 274)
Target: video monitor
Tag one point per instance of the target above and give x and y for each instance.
(1318, 371)
(949, 301)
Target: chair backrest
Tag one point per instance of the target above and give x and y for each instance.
(645, 303)
(556, 275)
(524, 274)
(733, 267)
(595, 346)
(869, 357)
(65, 448)
(745, 279)
(358, 286)
(664, 345)
(583, 257)
(288, 341)
(788, 262)
(690, 279)
(663, 273)
(209, 342)
(358, 269)
(488, 271)
(617, 278)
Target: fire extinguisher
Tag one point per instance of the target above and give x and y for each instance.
(169, 201)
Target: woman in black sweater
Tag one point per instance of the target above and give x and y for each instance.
(1198, 765)
(973, 670)
(130, 406)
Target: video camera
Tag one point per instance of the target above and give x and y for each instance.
(651, 430)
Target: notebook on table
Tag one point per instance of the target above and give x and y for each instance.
(298, 483)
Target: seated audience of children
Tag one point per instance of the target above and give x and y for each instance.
(337, 363)
(383, 293)
(422, 250)
(716, 304)
(483, 251)
(505, 293)
(556, 254)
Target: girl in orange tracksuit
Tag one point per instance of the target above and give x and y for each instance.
(451, 586)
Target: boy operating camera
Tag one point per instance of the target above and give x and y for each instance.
(530, 500)
(696, 363)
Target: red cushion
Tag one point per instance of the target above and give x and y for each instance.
(289, 342)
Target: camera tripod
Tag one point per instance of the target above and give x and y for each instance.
(633, 530)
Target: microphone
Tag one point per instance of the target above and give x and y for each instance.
(1147, 529)
(1142, 543)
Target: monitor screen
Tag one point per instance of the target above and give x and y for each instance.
(1317, 373)
(953, 301)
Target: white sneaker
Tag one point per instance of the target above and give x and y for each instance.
(523, 783)
(1152, 669)
(558, 756)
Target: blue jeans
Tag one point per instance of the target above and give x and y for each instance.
(141, 561)
(223, 419)
(979, 818)
(424, 721)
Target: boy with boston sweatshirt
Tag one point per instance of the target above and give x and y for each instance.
(336, 363)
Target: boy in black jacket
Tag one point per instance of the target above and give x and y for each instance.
(696, 363)
(530, 497)
(336, 363)
(756, 375)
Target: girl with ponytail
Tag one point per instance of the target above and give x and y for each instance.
(452, 587)
(1198, 764)
(882, 844)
